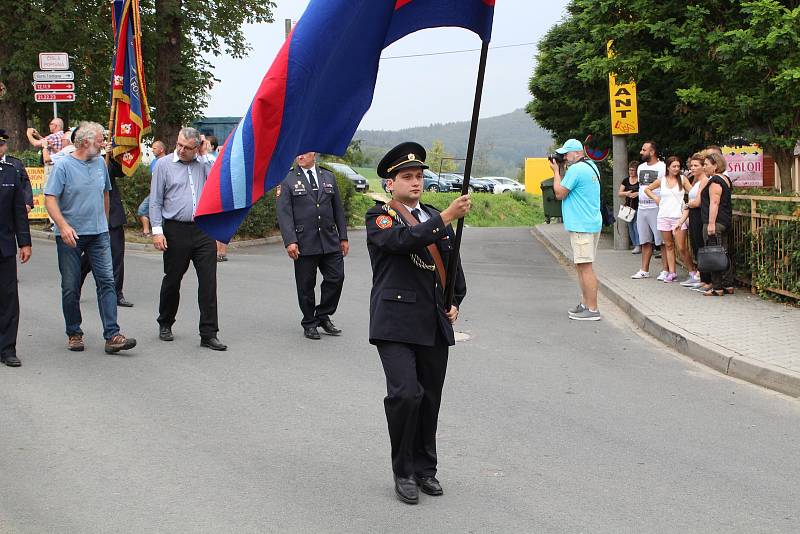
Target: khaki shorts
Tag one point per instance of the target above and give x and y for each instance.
(584, 246)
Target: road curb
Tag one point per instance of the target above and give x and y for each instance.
(147, 247)
(695, 347)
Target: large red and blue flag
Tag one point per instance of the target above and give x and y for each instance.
(130, 115)
(315, 94)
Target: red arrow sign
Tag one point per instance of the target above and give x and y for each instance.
(53, 86)
(54, 97)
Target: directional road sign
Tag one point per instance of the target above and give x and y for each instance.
(54, 97)
(53, 61)
(54, 86)
(53, 76)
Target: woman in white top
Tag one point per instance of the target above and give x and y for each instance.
(670, 208)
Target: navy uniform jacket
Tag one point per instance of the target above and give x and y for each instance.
(14, 228)
(116, 212)
(407, 302)
(313, 220)
(26, 181)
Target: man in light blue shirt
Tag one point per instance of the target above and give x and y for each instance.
(76, 197)
(579, 192)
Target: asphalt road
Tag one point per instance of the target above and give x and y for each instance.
(547, 425)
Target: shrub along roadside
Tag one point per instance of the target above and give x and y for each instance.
(514, 209)
(261, 220)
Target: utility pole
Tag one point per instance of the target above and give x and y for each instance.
(619, 150)
(624, 121)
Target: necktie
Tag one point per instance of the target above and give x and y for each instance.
(311, 180)
(415, 212)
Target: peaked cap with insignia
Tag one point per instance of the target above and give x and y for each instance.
(3, 136)
(402, 156)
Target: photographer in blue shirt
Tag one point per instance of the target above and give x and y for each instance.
(579, 191)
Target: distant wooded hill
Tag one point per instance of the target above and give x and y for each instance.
(503, 142)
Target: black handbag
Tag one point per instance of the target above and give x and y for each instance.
(712, 258)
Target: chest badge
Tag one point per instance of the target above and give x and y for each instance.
(384, 222)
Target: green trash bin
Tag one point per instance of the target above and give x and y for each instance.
(551, 205)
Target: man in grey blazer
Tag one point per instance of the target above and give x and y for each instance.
(314, 230)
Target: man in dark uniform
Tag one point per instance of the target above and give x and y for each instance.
(410, 247)
(116, 234)
(314, 231)
(17, 163)
(14, 232)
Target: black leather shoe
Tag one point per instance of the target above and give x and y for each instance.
(10, 360)
(429, 485)
(165, 333)
(213, 344)
(406, 490)
(329, 328)
(311, 333)
(122, 302)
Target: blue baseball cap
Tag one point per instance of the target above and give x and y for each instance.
(571, 145)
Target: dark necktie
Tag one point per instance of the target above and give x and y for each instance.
(415, 212)
(311, 180)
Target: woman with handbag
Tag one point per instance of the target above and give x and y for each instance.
(716, 210)
(691, 212)
(629, 191)
(670, 208)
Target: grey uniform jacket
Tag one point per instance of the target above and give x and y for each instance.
(315, 220)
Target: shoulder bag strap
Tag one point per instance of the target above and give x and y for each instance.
(432, 248)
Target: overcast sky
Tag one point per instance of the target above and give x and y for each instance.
(447, 86)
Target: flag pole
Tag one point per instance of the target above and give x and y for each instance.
(452, 268)
(111, 111)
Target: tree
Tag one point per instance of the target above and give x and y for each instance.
(439, 159)
(185, 30)
(570, 82)
(727, 69)
(354, 156)
(176, 35)
(27, 27)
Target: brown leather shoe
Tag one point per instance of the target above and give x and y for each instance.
(118, 343)
(75, 343)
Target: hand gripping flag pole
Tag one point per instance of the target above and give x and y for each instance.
(452, 267)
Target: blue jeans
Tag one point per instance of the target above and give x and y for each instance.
(633, 231)
(144, 207)
(98, 249)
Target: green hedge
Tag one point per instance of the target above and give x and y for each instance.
(261, 220)
(514, 209)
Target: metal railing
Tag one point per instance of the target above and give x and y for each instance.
(766, 244)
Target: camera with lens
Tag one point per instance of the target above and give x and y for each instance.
(555, 156)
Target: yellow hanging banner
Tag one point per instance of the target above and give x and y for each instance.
(624, 104)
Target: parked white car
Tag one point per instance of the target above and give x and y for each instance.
(505, 185)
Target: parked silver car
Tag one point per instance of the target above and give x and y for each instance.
(503, 184)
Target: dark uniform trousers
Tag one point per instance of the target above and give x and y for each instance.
(9, 306)
(411, 331)
(187, 242)
(331, 266)
(14, 233)
(414, 381)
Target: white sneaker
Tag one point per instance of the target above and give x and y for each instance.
(636, 250)
(662, 276)
(641, 274)
(692, 280)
